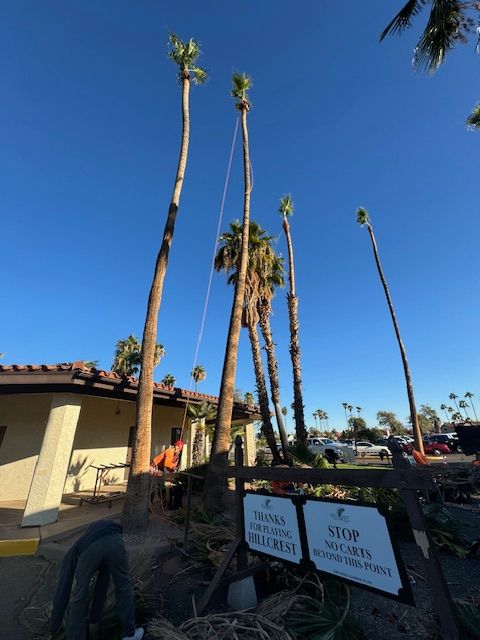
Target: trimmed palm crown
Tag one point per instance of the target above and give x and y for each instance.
(185, 54)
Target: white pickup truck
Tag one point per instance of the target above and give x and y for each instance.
(325, 446)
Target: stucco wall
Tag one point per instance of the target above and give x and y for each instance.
(102, 438)
(25, 417)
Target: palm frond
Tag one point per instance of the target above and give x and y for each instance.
(199, 75)
(443, 31)
(403, 19)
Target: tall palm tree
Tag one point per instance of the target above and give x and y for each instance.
(198, 374)
(443, 407)
(359, 410)
(325, 417)
(363, 220)
(450, 411)
(169, 380)
(469, 395)
(315, 416)
(271, 276)
(449, 23)
(286, 209)
(215, 482)
(135, 510)
(257, 279)
(128, 356)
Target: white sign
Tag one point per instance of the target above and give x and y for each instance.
(271, 526)
(352, 542)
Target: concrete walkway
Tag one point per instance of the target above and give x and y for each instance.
(20, 541)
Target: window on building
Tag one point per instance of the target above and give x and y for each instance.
(176, 434)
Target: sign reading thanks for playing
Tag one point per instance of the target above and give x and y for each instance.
(271, 526)
(352, 542)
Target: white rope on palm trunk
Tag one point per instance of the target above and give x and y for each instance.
(212, 265)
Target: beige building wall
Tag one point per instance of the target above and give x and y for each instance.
(102, 438)
(25, 417)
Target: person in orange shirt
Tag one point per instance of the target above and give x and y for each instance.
(163, 465)
(167, 461)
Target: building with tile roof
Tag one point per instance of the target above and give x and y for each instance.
(59, 421)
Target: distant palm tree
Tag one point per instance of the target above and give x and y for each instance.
(198, 374)
(450, 411)
(454, 397)
(464, 405)
(315, 416)
(363, 220)
(345, 406)
(443, 407)
(359, 410)
(473, 120)
(169, 380)
(135, 508)
(286, 209)
(284, 413)
(128, 356)
(325, 417)
(200, 413)
(469, 395)
(249, 399)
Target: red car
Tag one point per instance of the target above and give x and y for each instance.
(436, 448)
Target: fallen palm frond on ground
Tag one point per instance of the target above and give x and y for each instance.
(469, 616)
(238, 625)
(448, 533)
(286, 615)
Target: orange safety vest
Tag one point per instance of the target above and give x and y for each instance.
(167, 460)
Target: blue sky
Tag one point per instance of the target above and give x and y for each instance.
(90, 125)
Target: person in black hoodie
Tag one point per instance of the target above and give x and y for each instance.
(101, 550)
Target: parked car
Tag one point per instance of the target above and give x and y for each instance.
(450, 439)
(436, 448)
(363, 448)
(325, 446)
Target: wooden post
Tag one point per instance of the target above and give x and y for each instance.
(442, 600)
(242, 557)
(186, 532)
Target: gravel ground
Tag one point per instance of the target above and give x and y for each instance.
(381, 618)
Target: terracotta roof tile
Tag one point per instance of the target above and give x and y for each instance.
(80, 366)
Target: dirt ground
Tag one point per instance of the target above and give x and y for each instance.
(27, 584)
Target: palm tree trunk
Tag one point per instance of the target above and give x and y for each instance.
(292, 302)
(417, 434)
(474, 412)
(215, 486)
(273, 375)
(198, 447)
(135, 508)
(262, 393)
